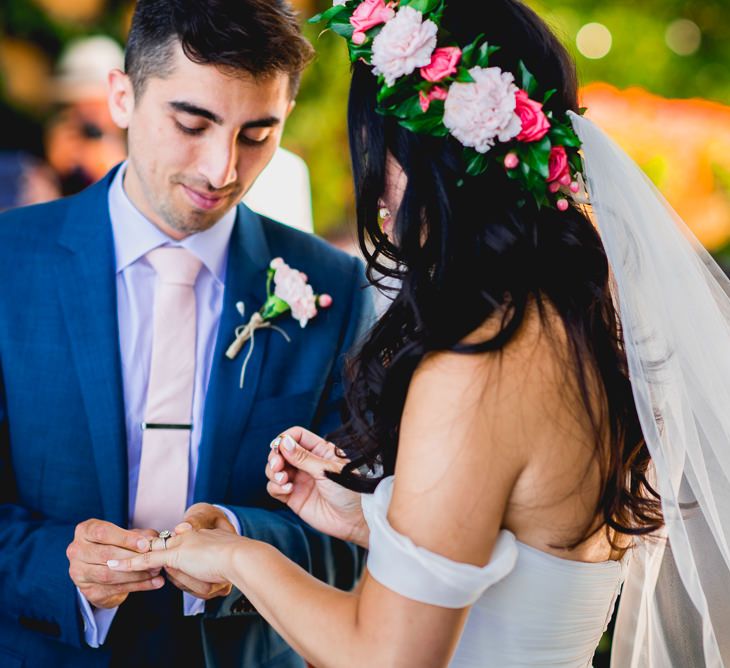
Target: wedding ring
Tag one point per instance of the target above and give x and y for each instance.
(165, 535)
(276, 443)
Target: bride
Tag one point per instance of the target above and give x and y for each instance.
(527, 428)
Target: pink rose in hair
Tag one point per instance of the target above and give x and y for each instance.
(436, 93)
(535, 124)
(443, 64)
(368, 15)
(558, 165)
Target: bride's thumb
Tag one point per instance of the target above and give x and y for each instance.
(304, 460)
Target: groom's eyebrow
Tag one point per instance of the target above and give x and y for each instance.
(195, 110)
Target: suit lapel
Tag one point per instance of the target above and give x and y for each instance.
(87, 289)
(227, 407)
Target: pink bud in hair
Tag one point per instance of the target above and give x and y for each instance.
(554, 187)
(511, 161)
(325, 301)
(574, 187)
(359, 38)
(562, 204)
(565, 180)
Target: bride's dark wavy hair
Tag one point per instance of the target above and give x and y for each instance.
(466, 253)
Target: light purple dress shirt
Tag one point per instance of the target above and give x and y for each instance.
(134, 237)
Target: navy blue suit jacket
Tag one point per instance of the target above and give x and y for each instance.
(63, 443)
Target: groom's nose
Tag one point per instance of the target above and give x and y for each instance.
(218, 162)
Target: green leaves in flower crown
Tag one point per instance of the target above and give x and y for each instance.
(331, 13)
(423, 6)
(477, 53)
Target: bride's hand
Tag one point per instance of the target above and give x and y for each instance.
(296, 473)
(206, 554)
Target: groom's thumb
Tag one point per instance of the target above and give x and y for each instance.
(302, 459)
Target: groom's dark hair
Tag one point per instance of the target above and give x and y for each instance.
(258, 37)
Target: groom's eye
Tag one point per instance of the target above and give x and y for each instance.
(253, 136)
(188, 130)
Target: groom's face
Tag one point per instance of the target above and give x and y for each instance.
(198, 139)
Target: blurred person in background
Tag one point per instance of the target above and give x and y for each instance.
(81, 139)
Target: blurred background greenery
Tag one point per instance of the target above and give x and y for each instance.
(655, 75)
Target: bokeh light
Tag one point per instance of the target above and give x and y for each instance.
(594, 41)
(684, 37)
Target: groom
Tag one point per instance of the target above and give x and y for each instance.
(120, 414)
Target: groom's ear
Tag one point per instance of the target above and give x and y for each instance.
(121, 98)
(290, 108)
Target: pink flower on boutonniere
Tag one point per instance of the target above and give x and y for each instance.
(368, 15)
(443, 64)
(292, 293)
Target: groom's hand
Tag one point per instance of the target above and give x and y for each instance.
(95, 542)
(202, 516)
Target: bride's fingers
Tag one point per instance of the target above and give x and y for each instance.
(304, 460)
(280, 492)
(144, 562)
(278, 471)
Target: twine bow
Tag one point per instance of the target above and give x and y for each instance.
(246, 332)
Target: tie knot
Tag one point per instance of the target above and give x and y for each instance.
(176, 266)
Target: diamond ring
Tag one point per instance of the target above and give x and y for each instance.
(165, 535)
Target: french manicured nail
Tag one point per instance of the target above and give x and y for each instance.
(279, 477)
(287, 488)
(142, 544)
(275, 443)
(112, 563)
(289, 443)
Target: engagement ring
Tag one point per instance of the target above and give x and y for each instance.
(164, 535)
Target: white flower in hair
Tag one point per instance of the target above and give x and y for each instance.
(480, 113)
(338, 2)
(405, 43)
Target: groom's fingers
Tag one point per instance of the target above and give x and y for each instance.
(204, 590)
(102, 575)
(106, 533)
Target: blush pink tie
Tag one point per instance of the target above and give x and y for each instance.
(163, 472)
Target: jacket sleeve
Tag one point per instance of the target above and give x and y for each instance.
(35, 587)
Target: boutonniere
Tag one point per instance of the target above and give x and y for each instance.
(291, 293)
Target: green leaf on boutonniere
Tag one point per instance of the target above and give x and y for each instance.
(331, 13)
(469, 53)
(273, 308)
(423, 6)
(529, 83)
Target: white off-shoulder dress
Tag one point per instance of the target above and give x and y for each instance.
(529, 608)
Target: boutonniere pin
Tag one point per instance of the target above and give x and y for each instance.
(291, 293)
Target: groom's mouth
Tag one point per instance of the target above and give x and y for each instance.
(206, 201)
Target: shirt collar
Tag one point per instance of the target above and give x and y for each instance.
(135, 235)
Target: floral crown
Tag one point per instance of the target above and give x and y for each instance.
(434, 87)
